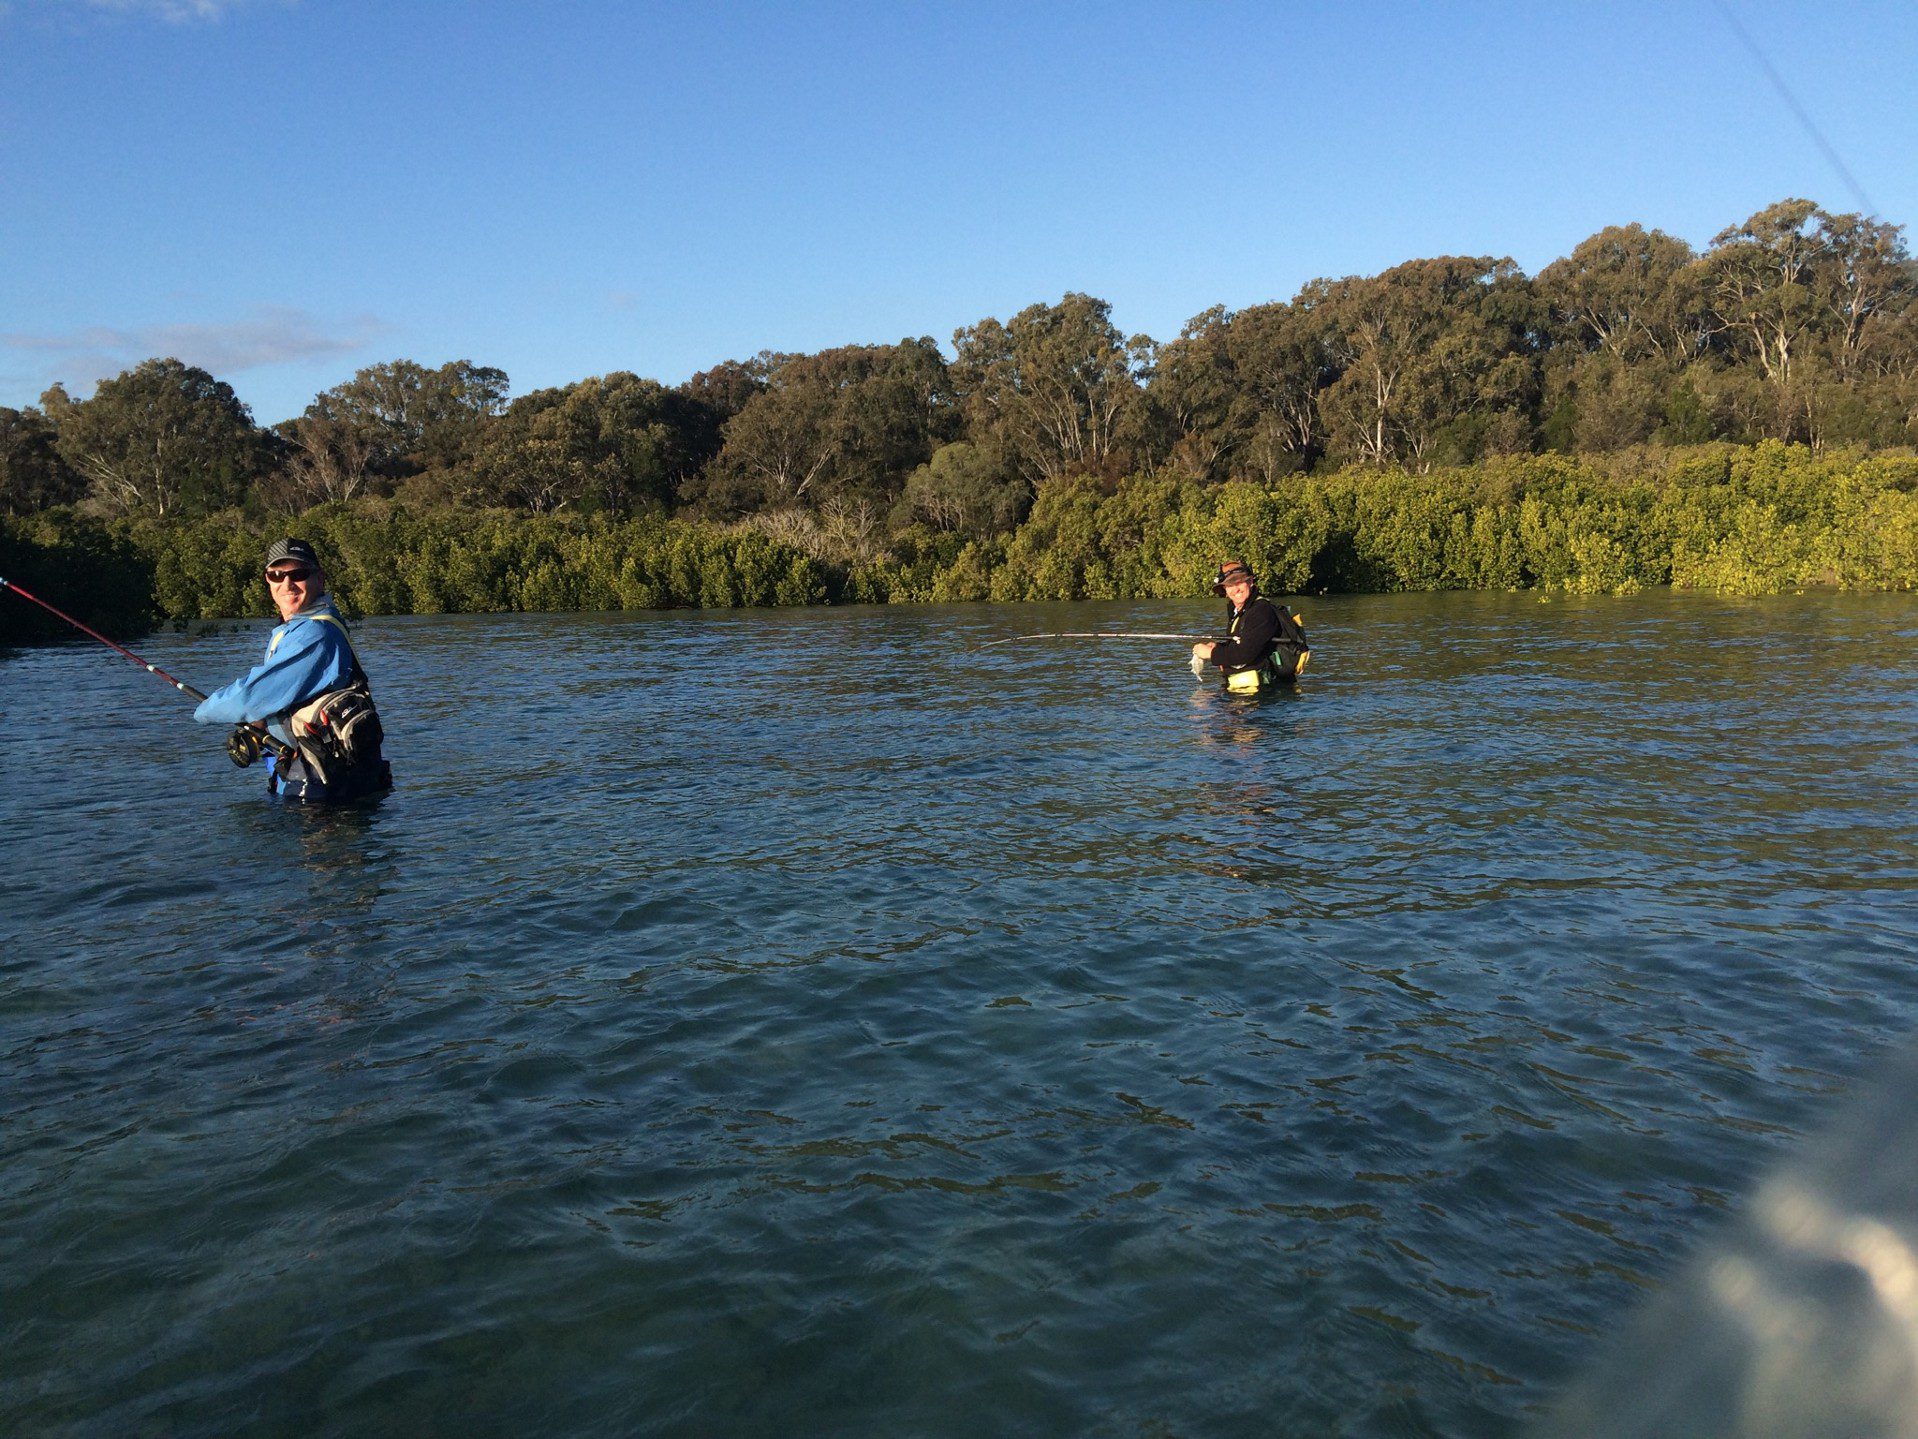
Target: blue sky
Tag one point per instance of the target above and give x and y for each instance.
(283, 191)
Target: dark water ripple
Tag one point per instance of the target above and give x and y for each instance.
(815, 1022)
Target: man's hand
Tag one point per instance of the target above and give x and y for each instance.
(1203, 650)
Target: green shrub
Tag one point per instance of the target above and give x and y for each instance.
(1739, 519)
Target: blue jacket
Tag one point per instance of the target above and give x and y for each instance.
(306, 657)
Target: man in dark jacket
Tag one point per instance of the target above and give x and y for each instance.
(1265, 643)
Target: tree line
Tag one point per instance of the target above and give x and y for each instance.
(892, 471)
(1798, 324)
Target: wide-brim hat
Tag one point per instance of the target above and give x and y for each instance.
(1231, 572)
(281, 550)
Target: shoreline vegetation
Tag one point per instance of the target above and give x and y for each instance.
(1762, 519)
(1738, 419)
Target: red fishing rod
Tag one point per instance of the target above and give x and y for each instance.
(267, 741)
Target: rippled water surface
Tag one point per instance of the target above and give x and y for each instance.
(815, 1022)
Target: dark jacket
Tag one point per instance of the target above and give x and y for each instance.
(1257, 632)
(1254, 633)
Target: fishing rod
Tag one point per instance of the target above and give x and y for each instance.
(264, 740)
(1090, 635)
(1107, 635)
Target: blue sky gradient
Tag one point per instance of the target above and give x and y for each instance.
(283, 191)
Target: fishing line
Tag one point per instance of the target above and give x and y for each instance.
(1791, 100)
(268, 742)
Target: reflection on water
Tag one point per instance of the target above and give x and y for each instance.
(874, 1032)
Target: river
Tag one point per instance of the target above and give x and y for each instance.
(823, 1022)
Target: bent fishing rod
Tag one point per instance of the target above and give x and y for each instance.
(266, 741)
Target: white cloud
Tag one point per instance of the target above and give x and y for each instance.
(170, 12)
(175, 12)
(271, 335)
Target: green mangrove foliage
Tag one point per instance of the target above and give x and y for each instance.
(1752, 520)
(89, 567)
(1745, 519)
(385, 559)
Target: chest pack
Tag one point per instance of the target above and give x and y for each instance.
(339, 733)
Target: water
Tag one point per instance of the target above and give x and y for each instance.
(816, 1023)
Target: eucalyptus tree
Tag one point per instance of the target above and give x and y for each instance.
(1867, 281)
(1890, 348)
(33, 477)
(1807, 301)
(727, 386)
(614, 443)
(160, 439)
(965, 489)
(1763, 277)
(1053, 388)
(1624, 312)
(839, 429)
(715, 396)
(328, 458)
(408, 418)
(1239, 391)
(1891, 360)
(1427, 347)
(1284, 357)
(1627, 292)
(1193, 404)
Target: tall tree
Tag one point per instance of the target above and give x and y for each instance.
(1628, 292)
(160, 439)
(328, 457)
(32, 474)
(1425, 346)
(1890, 348)
(1867, 279)
(408, 418)
(1284, 357)
(1053, 387)
(615, 443)
(727, 386)
(842, 428)
(1763, 284)
(1239, 392)
(964, 489)
(716, 395)
(1192, 404)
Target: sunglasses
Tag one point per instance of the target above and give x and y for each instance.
(288, 577)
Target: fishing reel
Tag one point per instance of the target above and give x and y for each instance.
(243, 746)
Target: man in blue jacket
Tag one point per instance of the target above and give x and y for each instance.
(309, 690)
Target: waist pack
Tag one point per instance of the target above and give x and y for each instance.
(339, 733)
(1273, 670)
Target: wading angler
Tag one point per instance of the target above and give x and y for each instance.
(309, 692)
(1264, 644)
